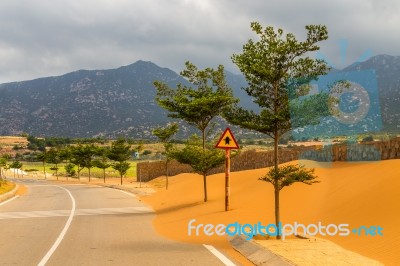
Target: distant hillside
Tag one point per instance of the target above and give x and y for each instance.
(86, 103)
(121, 101)
(388, 75)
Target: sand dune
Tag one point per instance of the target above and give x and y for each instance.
(358, 194)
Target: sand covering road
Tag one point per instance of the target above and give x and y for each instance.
(353, 193)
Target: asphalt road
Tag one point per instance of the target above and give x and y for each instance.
(87, 225)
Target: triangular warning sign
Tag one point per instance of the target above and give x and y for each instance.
(227, 140)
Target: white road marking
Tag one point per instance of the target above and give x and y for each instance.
(128, 193)
(13, 198)
(78, 212)
(63, 232)
(219, 255)
(122, 191)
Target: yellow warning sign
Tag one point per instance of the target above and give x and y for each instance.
(227, 140)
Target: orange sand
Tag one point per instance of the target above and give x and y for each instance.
(353, 193)
(22, 190)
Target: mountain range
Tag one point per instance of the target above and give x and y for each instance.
(114, 102)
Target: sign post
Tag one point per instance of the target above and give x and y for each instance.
(227, 142)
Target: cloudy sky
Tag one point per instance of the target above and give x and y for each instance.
(52, 37)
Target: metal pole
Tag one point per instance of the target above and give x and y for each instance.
(140, 176)
(227, 173)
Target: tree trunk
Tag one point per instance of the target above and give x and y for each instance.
(104, 175)
(89, 174)
(121, 179)
(276, 165)
(57, 172)
(203, 134)
(205, 187)
(166, 175)
(203, 138)
(79, 173)
(277, 214)
(44, 170)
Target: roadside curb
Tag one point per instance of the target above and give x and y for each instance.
(135, 191)
(9, 194)
(257, 254)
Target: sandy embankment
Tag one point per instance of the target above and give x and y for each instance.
(353, 193)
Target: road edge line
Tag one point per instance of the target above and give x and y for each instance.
(13, 198)
(63, 232)
(219, 255)
(10, 194)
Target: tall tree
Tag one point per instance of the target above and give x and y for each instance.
(200, 104)
(82, 156)
(78, 158)
(3, 164)
(120, 152)
(278, 70)
(16, 165)
(66, 155)
(42, 156)
(90, 152)
(53, 156)
(201, 159)
(102, 160)
(164, 134)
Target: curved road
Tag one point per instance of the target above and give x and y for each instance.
(87, 225)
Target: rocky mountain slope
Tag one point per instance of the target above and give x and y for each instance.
(121, 101)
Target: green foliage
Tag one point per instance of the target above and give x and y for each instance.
(122, 168)
(165, 134)
(368, 139)
(284, 176)
(202, 161)
(78, 157)
(70, 169)
(41, 156)
(53, 156)
(146, 152)
(6, 156)
(278, 69)
(120, 152)
(82, 156)
(17, 147)
(65, 153)
(41, 143)
(102, 161)
(16, 165)
(3, 164)
(197, 106)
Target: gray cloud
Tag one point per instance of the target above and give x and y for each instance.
(52, 37)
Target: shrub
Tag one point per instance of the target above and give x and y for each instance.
(368, 139)
(146, 152)
(70, 169)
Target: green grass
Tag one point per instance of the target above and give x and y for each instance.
(94, 172)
